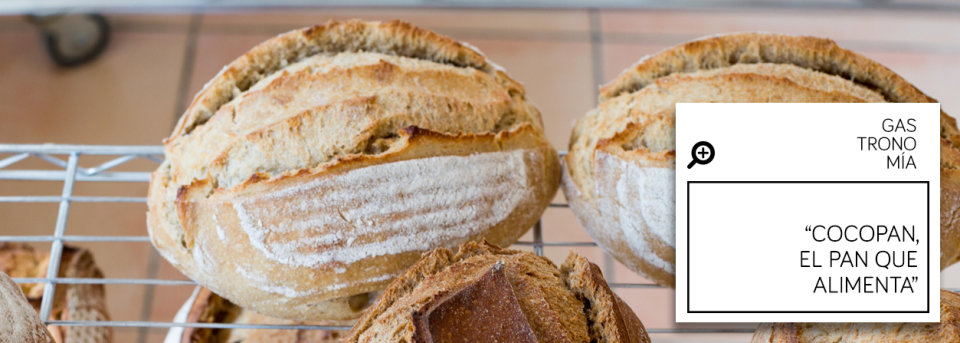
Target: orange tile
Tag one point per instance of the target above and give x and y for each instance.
(166, 271)
(560, 225)
(124, 260)
(441, 20)
(126, 96)
(14, 23)
(167, 300)
(108, 219)
(125, 302)
(155, 335)
(125, 334)
(905, 28)
(149, 22)
(654, 306)
(35, 219)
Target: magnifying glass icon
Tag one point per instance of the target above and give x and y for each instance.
(702, 153)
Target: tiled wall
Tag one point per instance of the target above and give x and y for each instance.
(155, 63)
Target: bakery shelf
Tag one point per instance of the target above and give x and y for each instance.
(64, 159)
(64, 163)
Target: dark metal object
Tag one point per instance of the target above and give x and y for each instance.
(73, 39)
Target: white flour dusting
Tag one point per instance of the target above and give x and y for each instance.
(637, 201)
(220, 233)
(339, 286)
(268, 285)
(387, 209)
(201, 260)
(647, 195)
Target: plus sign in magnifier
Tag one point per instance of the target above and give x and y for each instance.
(702, 153)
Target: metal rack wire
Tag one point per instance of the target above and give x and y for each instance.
(69, 172)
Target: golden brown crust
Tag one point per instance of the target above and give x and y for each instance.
(79, 302)
(573, 304)
(208, 307)
(947, 331)
(611, 319)
(628, 138)
(299, 176)
(390, 38)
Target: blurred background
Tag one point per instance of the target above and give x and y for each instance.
(124, 78)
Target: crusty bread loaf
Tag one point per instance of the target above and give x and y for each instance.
(487, 294)
(619, 174)
(207, 307)
(947, 331)
(71, 302)
(19, 323)
(319, 165)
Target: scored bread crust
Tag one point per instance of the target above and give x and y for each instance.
(318, 166)
(946, 331)
(576, 295)
(71, 302)
(620, 170)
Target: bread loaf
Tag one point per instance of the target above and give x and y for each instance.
(18, 322)
(947, 331)
(487, 294)
(319, 165)
(619, 174)
(71, 302)
(208, 307)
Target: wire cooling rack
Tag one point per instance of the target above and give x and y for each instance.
(63, 161)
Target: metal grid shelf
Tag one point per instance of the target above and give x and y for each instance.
(70, 173)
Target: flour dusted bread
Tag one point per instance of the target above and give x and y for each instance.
(207, 307)
(71, 302)
(619, 173)
(18, 322)
(947, 331)
(487, 294)
(319, 165)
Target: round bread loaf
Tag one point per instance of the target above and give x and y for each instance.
(947, 331)
(620, 171)
(487, 294)
(19, 322)
(322, 163)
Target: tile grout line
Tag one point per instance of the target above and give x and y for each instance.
(153, 266)
(596, 55)
(596, 52)
(186, 70)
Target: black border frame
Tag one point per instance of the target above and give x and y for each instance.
(927, 183)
